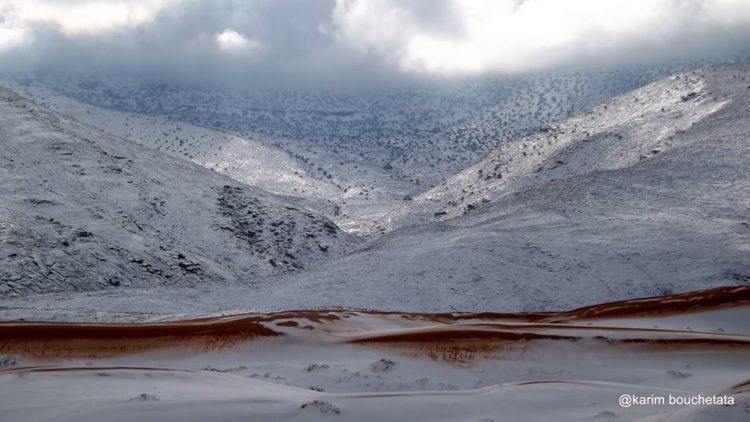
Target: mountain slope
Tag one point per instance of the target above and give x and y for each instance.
(244, 159)
(625, 200)
(617, 134)
(82, 210)
(356, 155)
(615, 221)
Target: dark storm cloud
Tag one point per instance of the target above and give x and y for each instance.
(353, 43)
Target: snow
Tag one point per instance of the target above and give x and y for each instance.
(549, 235)
(354, 157)
(83, 210)
(246, 160)
(345, 365)
(615, 221)
(643, 195)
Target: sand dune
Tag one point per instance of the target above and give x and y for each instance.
(366, 365)
(476, 330)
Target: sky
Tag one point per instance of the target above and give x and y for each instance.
(354, 43)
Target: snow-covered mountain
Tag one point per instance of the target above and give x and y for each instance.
(647, 193)
(82, 210)
(356, 156)
(244, 159)
(618, 134)
(644, 194)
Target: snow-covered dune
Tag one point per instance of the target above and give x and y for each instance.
(82, 210)
(399, 366)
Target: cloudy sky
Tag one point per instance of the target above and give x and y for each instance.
(292, 43)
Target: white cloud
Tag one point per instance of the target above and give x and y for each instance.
(13, 33)
(84, 16)
(512, 35)
(230, 40)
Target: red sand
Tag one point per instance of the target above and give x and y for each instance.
(447, 337)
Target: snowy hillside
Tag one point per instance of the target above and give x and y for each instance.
(645, 194)
(362, 154)
(83, 210)
(620, 133)
(243, 159)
